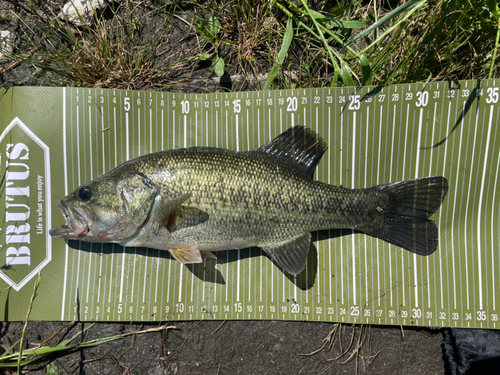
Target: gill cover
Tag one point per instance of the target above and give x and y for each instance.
(138, 196)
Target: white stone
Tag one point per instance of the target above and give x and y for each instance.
(80, 12)
(6, 42)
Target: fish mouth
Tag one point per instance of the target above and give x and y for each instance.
(78, 222)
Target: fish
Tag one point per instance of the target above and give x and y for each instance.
(195, 201)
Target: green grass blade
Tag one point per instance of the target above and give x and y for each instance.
(100, 341)
(389, 16)
(285, 46)
(332, 21)
(494, 9)
(495, 50)
(323, 40)
(354, 24)
(389, 30)
(39, 354)
(287, 41)
(273, 73)
(65, 343)
(347, 75)
(8, 350)
(23, 336)
(366, 69)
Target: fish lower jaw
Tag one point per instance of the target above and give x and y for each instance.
(70, 232)
(62, 232)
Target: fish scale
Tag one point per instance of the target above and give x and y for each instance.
(293, 206)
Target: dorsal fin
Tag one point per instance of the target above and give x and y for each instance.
(298, 146)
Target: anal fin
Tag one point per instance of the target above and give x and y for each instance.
(290, 254)
(186, 255)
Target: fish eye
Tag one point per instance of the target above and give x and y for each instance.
(85, 193)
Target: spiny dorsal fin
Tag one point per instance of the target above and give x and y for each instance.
(290, 254)
(299, 147)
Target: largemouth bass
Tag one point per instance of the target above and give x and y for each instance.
(194, 201)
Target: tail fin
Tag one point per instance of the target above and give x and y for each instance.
(405, 222)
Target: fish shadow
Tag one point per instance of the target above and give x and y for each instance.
(304, 280)
(207, 270)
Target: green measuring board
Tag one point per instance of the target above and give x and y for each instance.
(53, 140)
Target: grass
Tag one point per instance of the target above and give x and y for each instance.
(137, 45)
(444, 40)
(246, 34)
(127, 47)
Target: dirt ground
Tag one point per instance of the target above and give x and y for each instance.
(250, 347)
(246, 347)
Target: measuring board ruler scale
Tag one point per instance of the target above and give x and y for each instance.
(58, 139)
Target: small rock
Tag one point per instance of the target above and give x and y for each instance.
(6, 42)
(80, 12)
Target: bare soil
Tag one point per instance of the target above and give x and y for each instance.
(247, 347)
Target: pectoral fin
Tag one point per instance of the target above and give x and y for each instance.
(290, 254)
(185, 217)
(163, 208)
(186, 255)
(173, 215)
